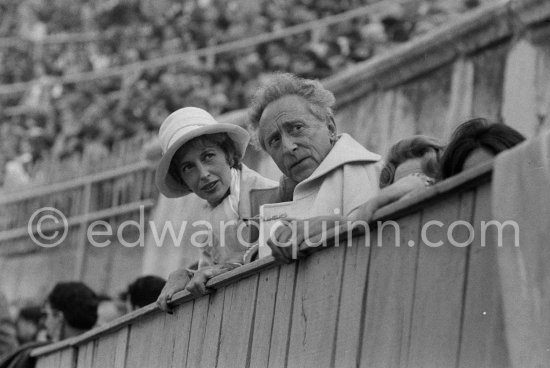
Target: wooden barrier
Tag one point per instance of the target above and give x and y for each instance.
(388, 299)
(123, 194)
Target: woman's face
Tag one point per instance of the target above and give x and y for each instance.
(204, 168)
(53, 322)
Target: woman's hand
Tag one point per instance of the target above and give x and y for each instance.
(177, 281)
(197, 285)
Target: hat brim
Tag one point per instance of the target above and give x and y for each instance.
(166, 183)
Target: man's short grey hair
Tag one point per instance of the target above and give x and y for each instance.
(284, 84)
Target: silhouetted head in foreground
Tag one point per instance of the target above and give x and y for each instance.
(144, 291)
(71, 309)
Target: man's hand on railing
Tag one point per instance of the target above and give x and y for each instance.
(177, 281)
(284, 240)
(292, 239)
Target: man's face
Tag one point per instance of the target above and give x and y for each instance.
(53, 322)
(296, 139)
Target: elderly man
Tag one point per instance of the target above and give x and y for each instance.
(292, 120)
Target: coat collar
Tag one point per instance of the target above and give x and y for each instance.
(346, 150)
(250, 180)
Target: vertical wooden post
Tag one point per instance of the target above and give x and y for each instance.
(519, 108)
(461, 98)
(82, 233)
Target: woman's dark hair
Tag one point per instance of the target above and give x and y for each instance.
(77, 302)
(475, 134)
(221, 140)
(418, 146)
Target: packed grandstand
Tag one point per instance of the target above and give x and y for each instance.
(80, 74)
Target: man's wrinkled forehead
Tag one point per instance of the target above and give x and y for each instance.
(290, 104)
(290, 108)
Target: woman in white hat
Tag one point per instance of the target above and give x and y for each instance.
(202, 156)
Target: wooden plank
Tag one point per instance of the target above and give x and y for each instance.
(105, 350)
(96, 259)
(198, 330)
(521, 208)
(140, 342)
(49, 361)
(159, 341)
(461, 96)
(403, 122)
(212, 333)
(124, 266)
(85, 355)
(489, 68)
(45, 190)
(354, 118)
(437, 308)
(282, 318)
(352, 301)
(431, 101)
(542, 83)
(126, 209)
(110, 350)
(389, 303)
(82, 241)
(483, 341)
(368, 122)
(263, 318)
(177, 328)
(121, 347)
(237, 323)
(67, 358)
(36, 283)
(315, 310)
(519, 108)
(11, 274)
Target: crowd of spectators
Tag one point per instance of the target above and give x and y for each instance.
(126, 33)
(64, 118)
(70, 309)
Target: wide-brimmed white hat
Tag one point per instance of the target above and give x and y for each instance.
(180, 127)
